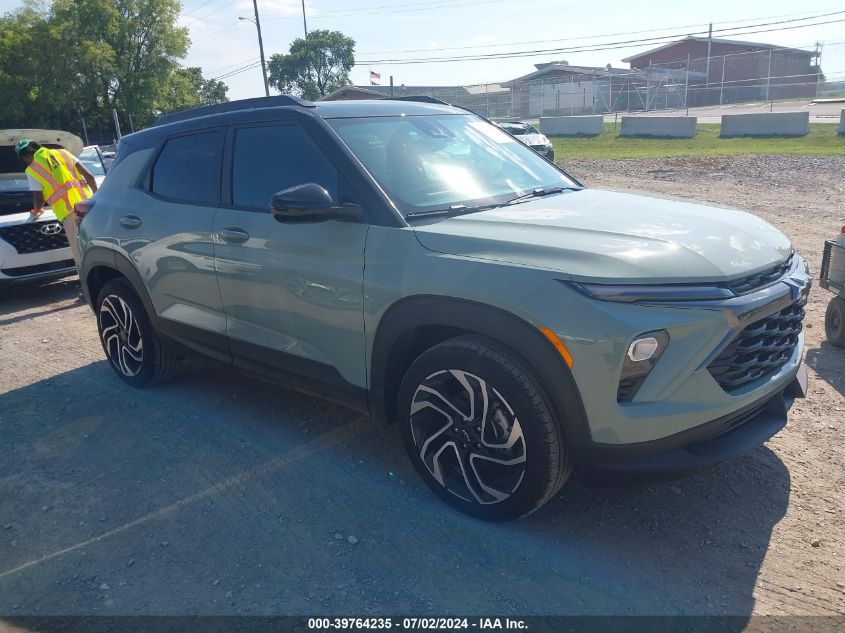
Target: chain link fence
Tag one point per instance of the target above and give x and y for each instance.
(773, 74)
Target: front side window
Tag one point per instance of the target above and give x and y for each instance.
(186, 169)
(269, 159)
(443, 161)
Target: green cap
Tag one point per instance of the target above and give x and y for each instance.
(21, 145)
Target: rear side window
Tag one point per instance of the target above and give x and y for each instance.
(186, 169)
(268, 159)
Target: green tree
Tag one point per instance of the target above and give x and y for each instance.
(61, 60)
(187, 88)
(314, 67)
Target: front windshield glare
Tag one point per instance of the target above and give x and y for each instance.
(444, 161)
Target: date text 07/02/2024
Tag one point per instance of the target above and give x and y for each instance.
(412, 624)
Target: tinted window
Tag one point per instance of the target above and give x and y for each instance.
(186, 169)
(272, 158)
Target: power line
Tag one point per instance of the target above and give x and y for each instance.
(351, 13)
(238, 71)
(605, 46)
(592, 37)
(198, 7)
(222, 69)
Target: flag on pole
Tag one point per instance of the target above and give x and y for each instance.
(374, 78)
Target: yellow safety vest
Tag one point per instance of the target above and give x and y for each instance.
(61, 182)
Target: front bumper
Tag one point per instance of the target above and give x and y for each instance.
(32, 264)
(705, 445)
(680, 395)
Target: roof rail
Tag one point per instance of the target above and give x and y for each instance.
(419, 98)
(233, 106)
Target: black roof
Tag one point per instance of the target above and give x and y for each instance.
(269, 108)
(325, 109)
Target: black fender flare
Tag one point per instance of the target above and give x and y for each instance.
(466, 316)
(104, 257)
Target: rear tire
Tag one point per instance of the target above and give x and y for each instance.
(834, 322)
(480, 430)
(134, 351)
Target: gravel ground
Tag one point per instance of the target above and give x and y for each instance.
(215, 494)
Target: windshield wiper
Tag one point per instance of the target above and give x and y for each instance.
(539, 193)
(460, 209)
(455, 209)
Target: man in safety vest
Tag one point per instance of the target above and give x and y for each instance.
(57, 179)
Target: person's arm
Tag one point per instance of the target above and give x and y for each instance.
(89, 177)
(37, 203)
(37, 196)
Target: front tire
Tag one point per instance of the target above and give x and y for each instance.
(834, 321)
(480, 430)
(134, 351)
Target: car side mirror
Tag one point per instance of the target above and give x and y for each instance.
(308, 201)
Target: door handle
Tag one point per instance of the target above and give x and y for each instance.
(233, 234)
(130, 222)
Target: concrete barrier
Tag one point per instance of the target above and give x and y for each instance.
(591, 125)
(842, 122)
(766, 124)
(659, 126)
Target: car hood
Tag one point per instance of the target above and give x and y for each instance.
(613, 236)
(13, 183)
(69, 141)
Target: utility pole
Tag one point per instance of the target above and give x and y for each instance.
(769, 78)
(85, 131)
(116, 123)
(707, 70)
(686, 88)
(304, 24)
(261, 49)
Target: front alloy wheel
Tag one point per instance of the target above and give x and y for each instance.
(479, 429)
(468, 436)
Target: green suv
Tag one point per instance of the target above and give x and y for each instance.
(414, 261)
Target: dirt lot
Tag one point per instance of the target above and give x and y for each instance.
(218, 495)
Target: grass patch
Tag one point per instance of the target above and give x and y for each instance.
(822, 141)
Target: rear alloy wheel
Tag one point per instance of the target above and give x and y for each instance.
(129, 341)
(480, 431)
(834, 321)
(121, 336)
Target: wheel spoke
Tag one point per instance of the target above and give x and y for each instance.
(479, 457)
(121, 335)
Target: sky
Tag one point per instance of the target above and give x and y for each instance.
(404, 29)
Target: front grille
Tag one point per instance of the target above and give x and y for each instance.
(29, 238)
(753, 282)
(761, 349)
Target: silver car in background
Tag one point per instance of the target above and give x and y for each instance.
(529, 135)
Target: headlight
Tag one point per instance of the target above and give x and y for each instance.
(641, 357)
(666, 292)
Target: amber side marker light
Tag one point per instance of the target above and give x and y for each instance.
(558, 344)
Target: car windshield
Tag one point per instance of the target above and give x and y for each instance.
(439, 162)
(91, 161)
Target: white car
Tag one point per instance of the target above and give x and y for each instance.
(529, 135)
(31, 248)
